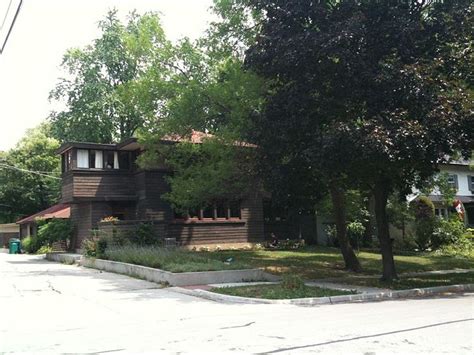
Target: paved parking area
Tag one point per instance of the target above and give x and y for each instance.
(55, 308)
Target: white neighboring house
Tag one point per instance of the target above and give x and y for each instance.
(461, 177)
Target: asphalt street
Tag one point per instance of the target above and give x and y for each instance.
(49, 308)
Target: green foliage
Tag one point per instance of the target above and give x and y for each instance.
(101, 247)
(440, 183)
(355, 233)
(448, 232)
(425, 221)
(30, 244)
(29, 175)
(144, 235)
(89, 245)
(279, 292)
(423, 208)
(208, 172)
(399, 212)
(116, 84)
(44, 249)
(369, 84)
(174, 260)
(462, 247)
(292, 282)
(54, 230)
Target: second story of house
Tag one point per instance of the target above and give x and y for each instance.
(109, 172)
(92, 171)
(460, 176)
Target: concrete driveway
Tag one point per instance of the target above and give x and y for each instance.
(55, 308)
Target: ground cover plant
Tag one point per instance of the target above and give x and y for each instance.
(174, 260)
(291, 286)
(277, 291)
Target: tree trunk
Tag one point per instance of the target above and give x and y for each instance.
(339, 211)
(388, 263)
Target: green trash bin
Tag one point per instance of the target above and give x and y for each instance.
(14, 246)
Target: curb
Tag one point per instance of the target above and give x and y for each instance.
(367, 297)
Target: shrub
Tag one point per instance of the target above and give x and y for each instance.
(292, 282)
(144, 235)
(89, 246)
(44, 249)
(30, 244)
(447, 231)
(355, 233)
(462, 247)
(101, 248)
(54, 230)
(425, 221)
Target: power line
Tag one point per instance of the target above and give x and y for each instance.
(6, 14)
(2, 45)
(6, 166)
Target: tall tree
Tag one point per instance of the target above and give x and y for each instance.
(115, 84)
(29, 175)
(368, 93)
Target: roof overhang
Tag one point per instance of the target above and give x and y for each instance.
(62, 211)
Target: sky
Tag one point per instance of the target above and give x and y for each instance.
(45, 29)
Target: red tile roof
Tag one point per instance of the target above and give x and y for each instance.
(56, 211)
(198, 137)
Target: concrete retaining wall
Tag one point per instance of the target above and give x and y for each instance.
(63, 257)
(177, 279)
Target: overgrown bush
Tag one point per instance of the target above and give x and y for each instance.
(425, 221)
(30, 244)
(54, 230)
(447, 231)
(462, 247)
(89, 246)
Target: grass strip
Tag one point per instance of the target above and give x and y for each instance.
(276, 291)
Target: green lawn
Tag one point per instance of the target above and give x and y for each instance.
(323, 262)
(278, 292)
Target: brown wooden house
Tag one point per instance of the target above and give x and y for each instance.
(103, 180)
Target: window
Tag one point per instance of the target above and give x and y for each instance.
(453, 181)
(234, 209)
(96, 160)
(208, 212)
(83, 159)
(222, 210)
(111, 160)
(470, 183)
(67, 161)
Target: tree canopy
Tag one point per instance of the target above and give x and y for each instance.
(364, 92)
(29, 175)
(115, 85)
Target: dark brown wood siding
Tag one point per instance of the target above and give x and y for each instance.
(98, 186)
(67, 188)
(151, 185)
(249, 229)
